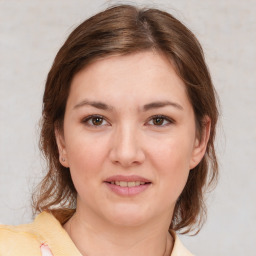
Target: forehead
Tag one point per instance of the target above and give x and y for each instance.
(139, 76)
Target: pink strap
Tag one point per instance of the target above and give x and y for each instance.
(45, 250)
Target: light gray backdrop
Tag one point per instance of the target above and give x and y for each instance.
(31, 32)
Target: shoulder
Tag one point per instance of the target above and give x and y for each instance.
(178, 248)
(44, 234)
(18, 240)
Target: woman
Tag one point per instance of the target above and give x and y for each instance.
(128, 128)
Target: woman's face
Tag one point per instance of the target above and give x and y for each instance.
(129, 139)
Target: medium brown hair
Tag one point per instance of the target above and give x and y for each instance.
(122, 30)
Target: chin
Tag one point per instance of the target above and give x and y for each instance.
(128, 216)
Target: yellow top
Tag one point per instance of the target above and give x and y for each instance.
(45, 232)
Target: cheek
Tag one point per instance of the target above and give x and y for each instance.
(173, 154)
(171, 160)
(85, 156)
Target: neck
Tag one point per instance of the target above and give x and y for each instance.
(99, 239)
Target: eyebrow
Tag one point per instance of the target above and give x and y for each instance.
(152, 105)
(96, 104)
(161, 104)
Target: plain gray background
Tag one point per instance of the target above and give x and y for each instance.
(31, 32)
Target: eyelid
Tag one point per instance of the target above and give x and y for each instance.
(168, 119)
(86, 119)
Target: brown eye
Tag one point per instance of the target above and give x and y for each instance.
(158, 120)
(97, 120)
(161, 121)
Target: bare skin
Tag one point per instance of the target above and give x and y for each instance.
(130, 243)
(128, 117)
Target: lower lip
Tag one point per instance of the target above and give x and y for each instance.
(127, 191)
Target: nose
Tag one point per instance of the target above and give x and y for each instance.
(126, 149)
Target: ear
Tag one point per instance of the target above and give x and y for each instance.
(63, 157)
(200, 143)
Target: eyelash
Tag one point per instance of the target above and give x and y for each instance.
(165, 118)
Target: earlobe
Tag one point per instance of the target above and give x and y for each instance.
(63, 158)
(200, 144)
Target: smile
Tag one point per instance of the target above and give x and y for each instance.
(128, 184)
